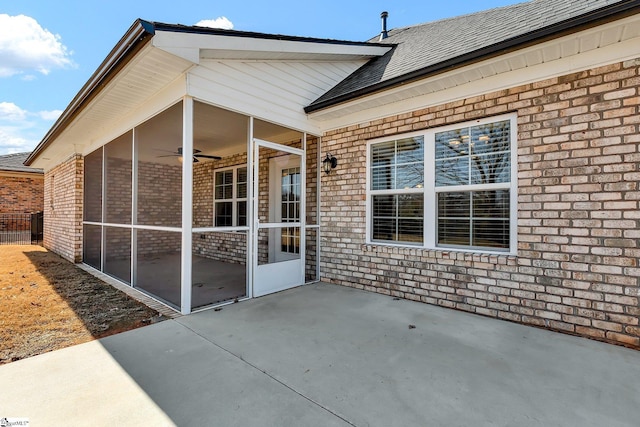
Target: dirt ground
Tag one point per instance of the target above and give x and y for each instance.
(47, 303)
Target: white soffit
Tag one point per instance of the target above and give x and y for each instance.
(194, 47)
(605, 44)
(144, 76)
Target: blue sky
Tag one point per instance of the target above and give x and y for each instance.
(49, 49)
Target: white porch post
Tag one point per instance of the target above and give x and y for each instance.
(252, 239)
(187, 204)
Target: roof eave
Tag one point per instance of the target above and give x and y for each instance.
(136, 37)
(600, 16)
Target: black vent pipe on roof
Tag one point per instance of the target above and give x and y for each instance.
(384, 34)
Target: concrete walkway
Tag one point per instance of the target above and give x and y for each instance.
(324, 355)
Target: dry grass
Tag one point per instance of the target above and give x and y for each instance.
(48, 303)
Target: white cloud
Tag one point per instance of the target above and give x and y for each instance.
(25, 46)
(50, 115)
(10, 112)
(221, 22)
(11, 142)
(21, 130)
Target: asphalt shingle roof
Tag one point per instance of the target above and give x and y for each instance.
(15, 163)
(426, 45)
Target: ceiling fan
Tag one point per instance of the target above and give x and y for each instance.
(196, 155)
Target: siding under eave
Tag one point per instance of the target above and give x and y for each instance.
(275, 91)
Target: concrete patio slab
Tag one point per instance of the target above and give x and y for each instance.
(329, 355)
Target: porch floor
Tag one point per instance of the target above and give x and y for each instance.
(213, 281)
(329, 355)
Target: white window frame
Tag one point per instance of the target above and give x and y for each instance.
(390, 192)
(430, 190)
(234, 199)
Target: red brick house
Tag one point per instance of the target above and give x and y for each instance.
(21, 195)
(21, 187)
(487, 163)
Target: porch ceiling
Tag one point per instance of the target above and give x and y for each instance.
(145, 75)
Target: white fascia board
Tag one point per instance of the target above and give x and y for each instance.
(189, 46)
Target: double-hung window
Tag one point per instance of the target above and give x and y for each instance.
(452, 187)
(230, 197)
(397, 190)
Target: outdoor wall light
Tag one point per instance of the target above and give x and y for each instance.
(329, 163)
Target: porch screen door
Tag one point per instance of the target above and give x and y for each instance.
(279, 194)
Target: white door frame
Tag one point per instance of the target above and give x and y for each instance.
(274, 277)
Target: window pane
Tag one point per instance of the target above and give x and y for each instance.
(453, 232)
(487, 227)
(224, 185)
(384, 206)
(491, 219)
(410, 205)
(383, 154)
(491, 233)
(224, 214)
(398, 218)
(384, 229)
(242, 183)
(410, 150)
(491, 168)
(410, 230)
(452, 172)
(383, 178)
(453, 143)
(290, 240)
(410, 176)
(242, 214)
(491, 204)
(454, 205)
(398, 164)
(491, 137)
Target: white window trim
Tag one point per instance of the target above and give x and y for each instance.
(430, 190)
(234, 200)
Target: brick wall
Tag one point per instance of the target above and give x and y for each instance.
(159, 194)
(21, 194)
(578, 211)
(63, 209)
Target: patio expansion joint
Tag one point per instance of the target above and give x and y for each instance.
(323, 407)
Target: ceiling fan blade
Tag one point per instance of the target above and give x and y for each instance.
(206, 156)
(171, 155)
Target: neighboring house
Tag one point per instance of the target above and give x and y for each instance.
(488, 163)
(21, 187)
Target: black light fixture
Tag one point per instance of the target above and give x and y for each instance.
(329, 163)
